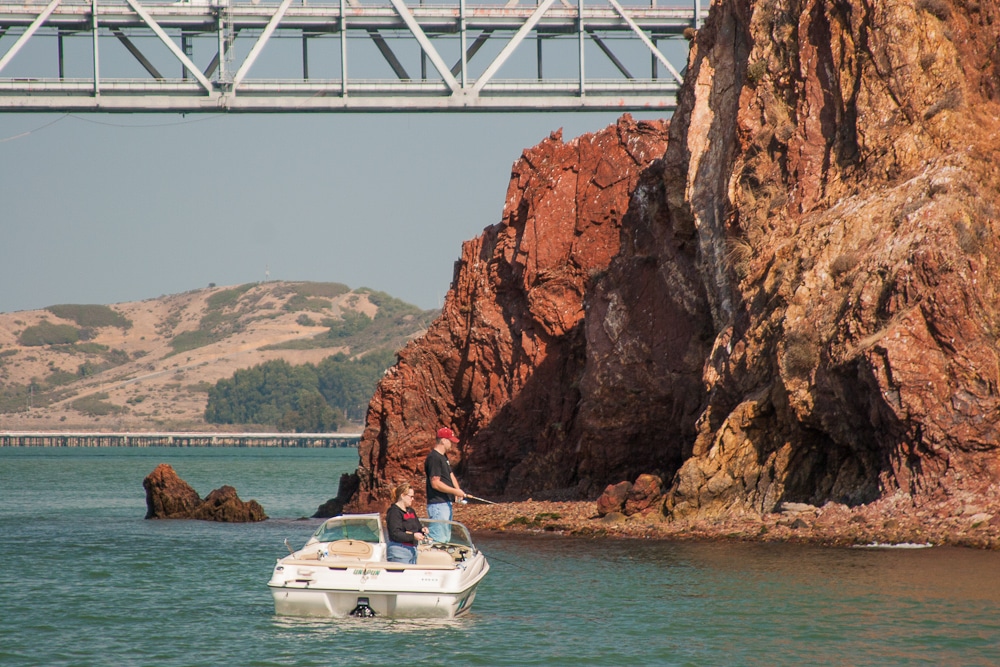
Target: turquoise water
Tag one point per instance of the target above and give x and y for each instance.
(85, 580)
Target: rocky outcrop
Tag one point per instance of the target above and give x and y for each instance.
(170, 497)
(613, 499)
(167, 495)
(801, 307)
(838, 161)
(502, 365)
(335, 506)
(628, 499)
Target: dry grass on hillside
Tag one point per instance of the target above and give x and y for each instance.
(144, 375)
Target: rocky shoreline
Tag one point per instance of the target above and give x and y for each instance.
(891, 521)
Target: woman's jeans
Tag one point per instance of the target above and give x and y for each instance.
(401, 553)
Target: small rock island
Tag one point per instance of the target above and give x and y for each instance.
(170, 497)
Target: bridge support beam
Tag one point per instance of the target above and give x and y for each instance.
(213, 31)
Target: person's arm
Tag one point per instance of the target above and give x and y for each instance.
(438, 484)
(415, 527)
(459, 493)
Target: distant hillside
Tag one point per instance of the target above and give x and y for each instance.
(149, 365)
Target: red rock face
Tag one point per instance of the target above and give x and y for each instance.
(850, 178)
(801, 305)
(503, 363)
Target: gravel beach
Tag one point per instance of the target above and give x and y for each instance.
(891, 521)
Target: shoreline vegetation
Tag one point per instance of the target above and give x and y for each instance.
(893, 521)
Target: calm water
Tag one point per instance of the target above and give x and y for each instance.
(85, 580)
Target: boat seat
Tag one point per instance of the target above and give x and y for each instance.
(350, 549)
(434, 557)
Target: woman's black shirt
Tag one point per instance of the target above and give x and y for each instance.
(400, 523)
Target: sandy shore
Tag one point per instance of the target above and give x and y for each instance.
(889, 521)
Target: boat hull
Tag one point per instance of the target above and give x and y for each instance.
(391, 592)
(340, 604)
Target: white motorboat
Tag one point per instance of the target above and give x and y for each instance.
(342, 571)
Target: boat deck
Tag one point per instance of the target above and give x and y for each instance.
(345, 564)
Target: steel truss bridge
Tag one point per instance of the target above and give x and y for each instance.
(341, 55)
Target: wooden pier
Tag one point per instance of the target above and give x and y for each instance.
(67, 439)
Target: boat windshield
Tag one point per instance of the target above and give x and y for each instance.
(448, 532)
(364, 529)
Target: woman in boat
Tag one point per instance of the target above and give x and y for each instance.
(404, 527)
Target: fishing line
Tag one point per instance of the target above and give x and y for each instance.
(140, 127)
(107, 124)
(37, 129)
(507, 562)
(501, 560)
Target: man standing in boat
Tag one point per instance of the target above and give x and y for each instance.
(442, 486)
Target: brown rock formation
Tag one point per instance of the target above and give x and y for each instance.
(170, 497)
(645, 495)
(847, 226)
(502, 364)
(613, 499)
(167, 495)
(335, 506)
(803, 302)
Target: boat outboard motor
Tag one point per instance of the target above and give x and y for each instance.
(362, 610)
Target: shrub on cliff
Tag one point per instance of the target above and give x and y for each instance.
(95, 405)
(91, 315)
(229, 297)
(47, 333)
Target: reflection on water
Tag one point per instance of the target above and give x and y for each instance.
(374, 626)
(87, 581)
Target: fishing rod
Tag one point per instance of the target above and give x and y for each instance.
(493, 557)
(482, 500)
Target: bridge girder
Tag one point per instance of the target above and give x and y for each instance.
(175, 33)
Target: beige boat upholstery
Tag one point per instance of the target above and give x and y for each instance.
(350, 549)
(434, 557)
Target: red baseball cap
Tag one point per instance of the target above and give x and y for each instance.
(446, 432)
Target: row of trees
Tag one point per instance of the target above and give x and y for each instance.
(307, 398)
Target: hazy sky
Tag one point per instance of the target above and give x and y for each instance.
(106, 208)
(100, 208)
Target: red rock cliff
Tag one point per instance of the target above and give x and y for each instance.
(502, 363)
(802, 302)
(839, 163)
